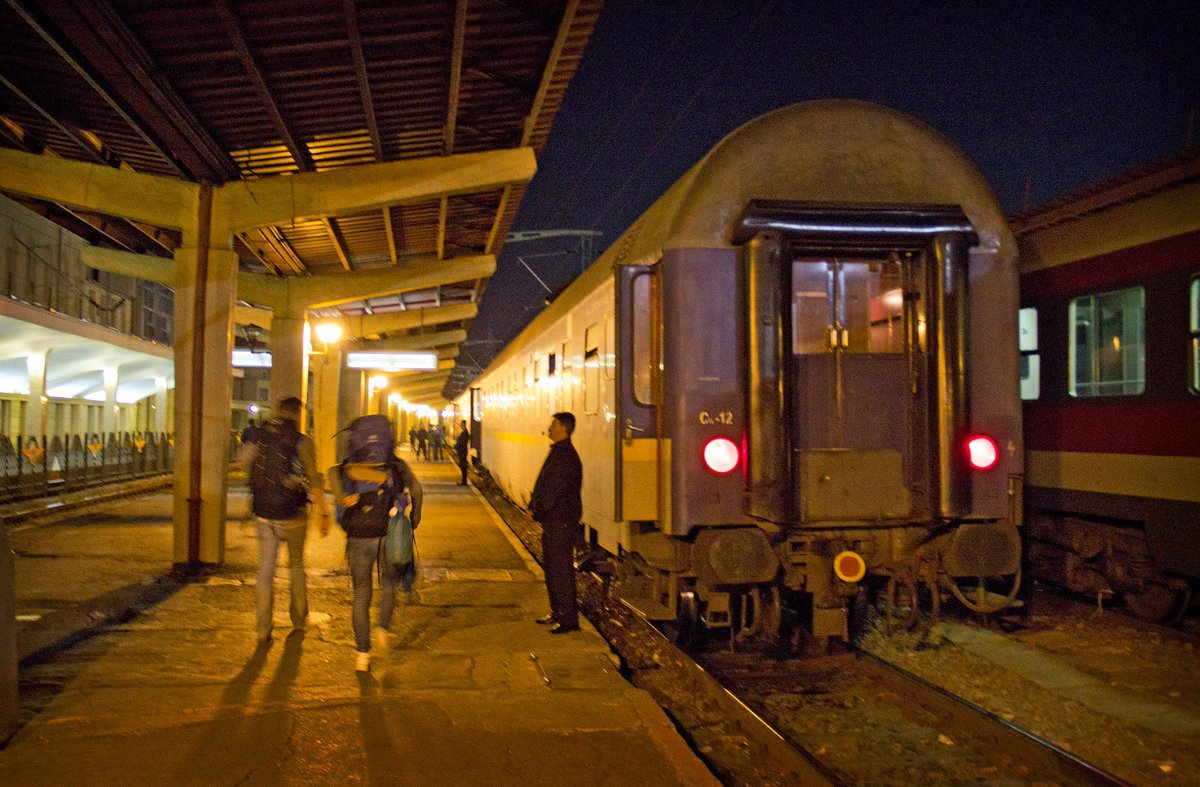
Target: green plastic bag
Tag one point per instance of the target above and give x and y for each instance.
(399, 540)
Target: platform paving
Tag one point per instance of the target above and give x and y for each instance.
(474, 692)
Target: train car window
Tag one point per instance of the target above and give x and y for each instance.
(643, 353)
(551, 364)
(568, 386)
(591, 370)
(610, 348)
(1194, 326)
(1107, 354)
(1031, 359)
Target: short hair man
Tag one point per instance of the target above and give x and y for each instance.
(557, 504)
(462, 444)
(283, 472)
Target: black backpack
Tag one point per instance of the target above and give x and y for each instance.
(371, 471)
(277, 479)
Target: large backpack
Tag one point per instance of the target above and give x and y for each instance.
(371, 439)
(276, 479)
(371, 471)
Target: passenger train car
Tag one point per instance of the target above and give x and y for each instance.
(796, 370)
(1110, 338)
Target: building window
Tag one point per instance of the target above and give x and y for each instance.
(1031, 359)
(1107, 351)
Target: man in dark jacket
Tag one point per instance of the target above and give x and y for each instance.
(462, 444)
(557, 505)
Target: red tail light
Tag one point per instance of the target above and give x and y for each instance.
(983, 452)
(721, 455)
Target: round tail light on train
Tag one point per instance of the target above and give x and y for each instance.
(983, 452)
(721, 455)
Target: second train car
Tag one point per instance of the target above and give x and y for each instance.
(795, 374)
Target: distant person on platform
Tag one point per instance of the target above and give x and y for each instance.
(557, 504)
(462, 444)
(283, 473)
(250, 433)
(422, 437)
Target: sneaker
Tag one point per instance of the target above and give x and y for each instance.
(362, 661)
(379, 641)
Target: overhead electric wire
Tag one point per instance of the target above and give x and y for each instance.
(729, 50)
(629, 107)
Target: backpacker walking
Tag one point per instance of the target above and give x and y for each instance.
(283, 472)
(368, 484)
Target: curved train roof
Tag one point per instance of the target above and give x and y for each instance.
(835, 150)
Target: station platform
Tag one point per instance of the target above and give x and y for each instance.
(473, 691)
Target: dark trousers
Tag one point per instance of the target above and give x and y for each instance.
(462, 465)
(558, 538)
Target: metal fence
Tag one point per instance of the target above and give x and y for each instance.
(37, 467)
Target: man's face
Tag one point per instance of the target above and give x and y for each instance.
(557, 432)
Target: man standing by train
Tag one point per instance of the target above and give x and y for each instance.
(462, 445)
(557, 504)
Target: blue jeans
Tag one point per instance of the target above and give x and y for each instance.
(270, 533)
(363, 554)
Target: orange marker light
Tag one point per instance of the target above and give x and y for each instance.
(849, 566)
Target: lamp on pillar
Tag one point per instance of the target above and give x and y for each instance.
(327, 333)
(253, 336)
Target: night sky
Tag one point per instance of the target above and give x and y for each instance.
(1061, 94)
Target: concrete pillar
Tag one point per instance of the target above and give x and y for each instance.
(350, 404)
(159, 421)
(289, 357)
(35, 408)
(205, 283)
(326, 400)
(108, 416)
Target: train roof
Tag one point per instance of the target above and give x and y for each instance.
(1151, 203)
(833, 150)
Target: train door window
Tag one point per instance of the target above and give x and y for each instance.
(1194, 327)
(591, 370)
(642, 341)
(1107, 353)
(1031, 359)
(858, 305)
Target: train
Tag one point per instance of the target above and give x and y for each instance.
(1110, 343)
(795, 379)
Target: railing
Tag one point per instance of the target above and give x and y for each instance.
(36, 467)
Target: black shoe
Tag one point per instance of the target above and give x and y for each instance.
(547, 621)
(559, 628)
(587, 559)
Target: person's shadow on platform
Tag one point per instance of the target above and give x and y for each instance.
(223, 743)
(383, 761)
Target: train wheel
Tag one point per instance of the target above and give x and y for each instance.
(902, 605)
(687, 631)
(979, 598)
(1158, 603)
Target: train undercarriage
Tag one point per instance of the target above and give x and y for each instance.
(1106, 559)
(815, 587)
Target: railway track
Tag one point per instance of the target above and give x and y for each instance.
(871, 722)
(848, 719)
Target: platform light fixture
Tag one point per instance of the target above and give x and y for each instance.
(392, 361)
